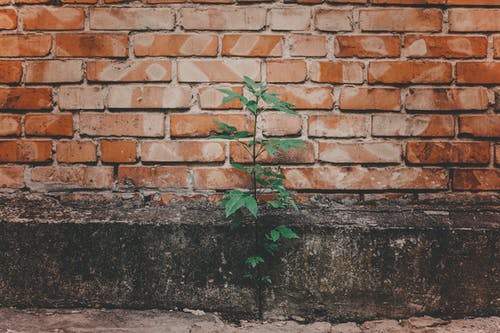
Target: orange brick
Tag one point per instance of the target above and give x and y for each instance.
(10, 124)
(447, 99)
(81, 151)
(115, 18)
(252, 45)
(118, 151)
(474, 19)
(307, 46)
(305, 97)
(292, 156)
(401, 19)
(153, 1)
(497, 154)
(53, 18)
(487, 126)
(231, 18)
(129, 71)
(153, 176)
(409, 72)
(122, 124)
(476, 179)
(360, 152)
(31, 2)
(283, 71)
(367, 46)
(81, 1)
(203, 125)
(72, 177)
(211, 98)
(333, 19)
(182, 151)
(220, 179)
(25, 98)
(280, 124)
(496, 45)
(449, 46)
(175, 45)
(81, 98)
(12, 176)
(10, 71)
(227, 70)
(54, 71)
(413, 125)
(337, 72)
(410, 2)
(92, 45)
(290, 18)
(149, 97)
(376, 99)
(444, 152)
(478, 72)
(472, 2)
(8, 19)
(25, 45)
(57, 124)
(25, 150)
(338, 126)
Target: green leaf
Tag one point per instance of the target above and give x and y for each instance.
(241, 134)
(252, 106)
(241, 167)
(250, 84)
(275, 235)
(271, 247)
(234, 203)
(286, 232)
(254, 261)
(248, 276)
(251, 205)
(230, 95)
(225, 128)
(275, 204)
(265, 278)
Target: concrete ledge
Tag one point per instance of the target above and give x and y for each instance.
(352, 262)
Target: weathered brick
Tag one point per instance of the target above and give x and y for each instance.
(367, 99)
(220, 179)
(81, 98)
(337, 72)
(55, 124)
(307, 45)
(182, 151)
(149, 97)
(252, 45)
(444, 152)
(280, 124)
(413, 125)
(293, 156)
(92, 45)
(478, 72)
(487, 126)
(302, 97)
(122, 124)
(476, 179)
(118, 151)
(338, 126)
(52, 18)
(211, 98)
(25, 98)
(496, 45)
(358, 178)
(290, 18)
(10, 71)
(25, 150)
(25, 45)
(236, 18)
(283, 71)
(10, 124)
(474, 19)
(333, 19)
(114, 18)
(409, 72)
(78, 151)
(227, 70)
(497, 154)
(359, 152)
(8, 19)
(410, 2)
(401, 19)
(54, 71)
(448, 46)
(447, 99)
(367, 46)
(178, 45)
(12, 176)
(74, 177)
(129, 71)
(153, 176)
(203, 124)
(472, 2)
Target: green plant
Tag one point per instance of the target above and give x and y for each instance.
(242, 204)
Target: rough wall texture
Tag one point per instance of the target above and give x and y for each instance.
(394, 95)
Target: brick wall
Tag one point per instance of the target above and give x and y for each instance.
(394, 95)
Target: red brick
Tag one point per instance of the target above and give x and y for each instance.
(81, 98)
(25, 98)
(338, 126)
(25, 45)
(447, 99)
(220, 179)
(413, 125)
(25, 150)
(153, 176)
(410, 2)
(227, 70)
(282, 71)
(359, 152)
(448, 46)
(122, 124)
(292, 156)
(10, 124)
(358, 178)
(252, 45)
(290, 18)
(54, 71)
(80, 1)
(497, 154)
(81, 151)
(53, 18)
(368, 99)
(118, 151)
(473, 2)
(367, 46)
(56, 124)
(31, 2)
(401, 19)
(12, 176)
(307, 45)
(92, 45)
(74, 177)
(474, 19)
(182, 151)
(445, 152)
(203, 124)
(211, 98)
(476, 179)
(302, 97)
(487, 126)
(230, 18)
(280, 124)
(10, 71)
(333, 19)
(478, 72)
(149, 97)
(114, 18)
(496, 45)
(129, 71)
(337, 72)
(178, 45)
(8, 19)
(409, 72)
(154, 1)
